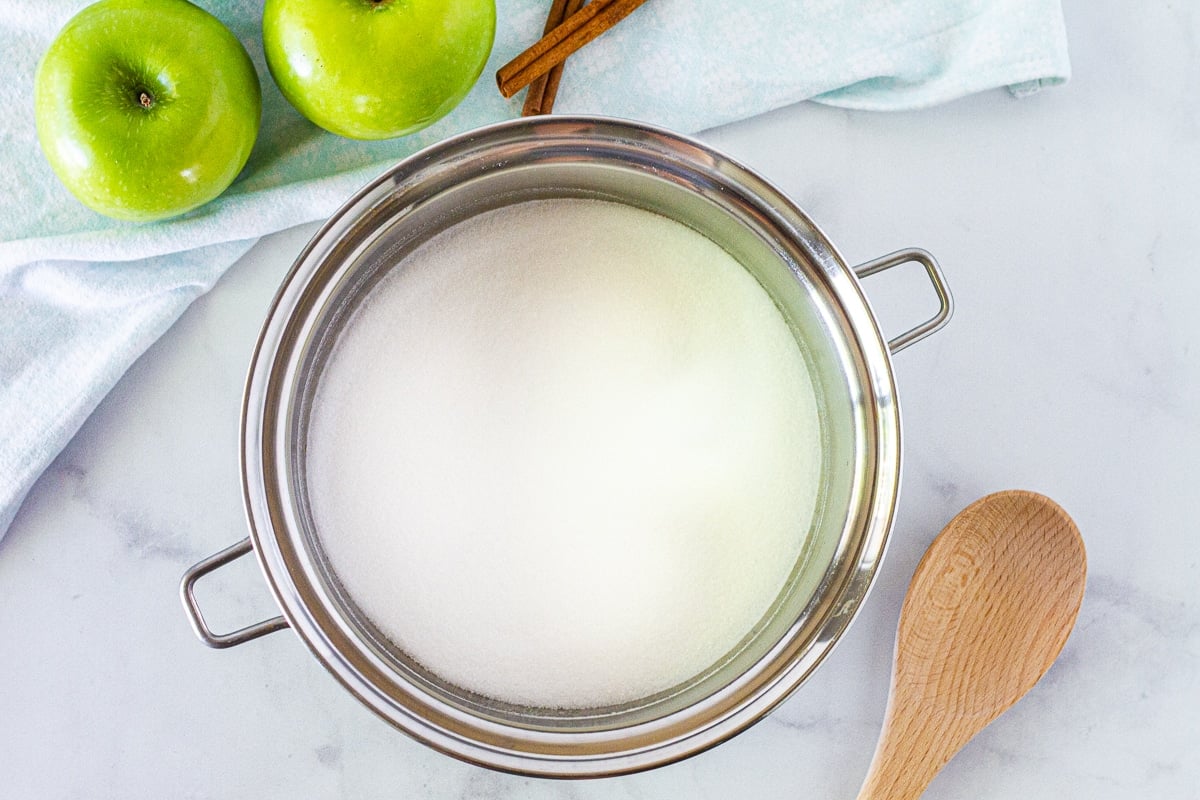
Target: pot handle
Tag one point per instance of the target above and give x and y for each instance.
(945, 299)
(187, 593)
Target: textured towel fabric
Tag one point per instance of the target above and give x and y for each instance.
(82, 296)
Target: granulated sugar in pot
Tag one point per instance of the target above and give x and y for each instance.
(572, 475)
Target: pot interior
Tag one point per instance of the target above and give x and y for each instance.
(395, 225)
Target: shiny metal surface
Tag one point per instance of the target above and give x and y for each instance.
(187, 591)
(663, 172)
(934, 272)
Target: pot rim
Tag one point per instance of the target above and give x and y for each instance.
(641, 746)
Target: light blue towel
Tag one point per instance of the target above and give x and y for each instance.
(82, 296)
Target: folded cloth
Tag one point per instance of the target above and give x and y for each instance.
(81, 295)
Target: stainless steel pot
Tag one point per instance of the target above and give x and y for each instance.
(654, 169)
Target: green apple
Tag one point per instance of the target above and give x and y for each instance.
(374, 69)
(146, 108)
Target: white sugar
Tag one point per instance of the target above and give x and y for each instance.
(571, 475)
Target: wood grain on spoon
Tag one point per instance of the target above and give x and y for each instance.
(988, 611)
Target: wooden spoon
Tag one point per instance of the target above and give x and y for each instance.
(988, 610)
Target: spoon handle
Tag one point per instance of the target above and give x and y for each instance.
(904, 765)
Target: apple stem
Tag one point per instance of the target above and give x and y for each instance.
(145, 99)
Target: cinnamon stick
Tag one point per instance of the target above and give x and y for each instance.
(540, 97)
(576, 30)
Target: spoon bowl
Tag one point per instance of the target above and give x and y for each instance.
(988, 611)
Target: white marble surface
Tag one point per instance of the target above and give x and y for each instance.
(1067, 226)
